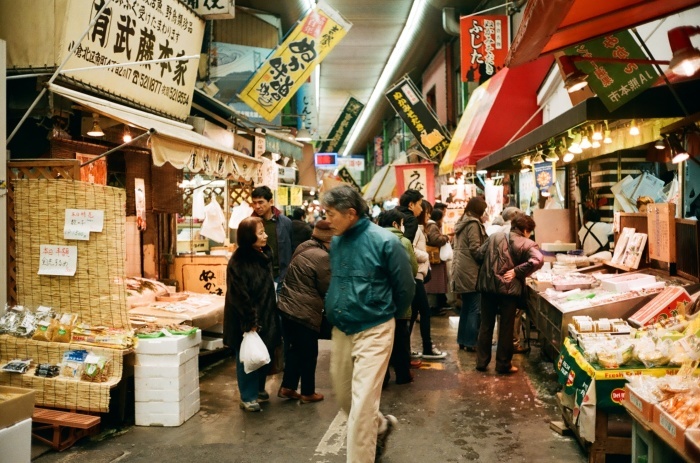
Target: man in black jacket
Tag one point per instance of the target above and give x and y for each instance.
(301, 231)
(410, 205)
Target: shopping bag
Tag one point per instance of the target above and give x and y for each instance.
(446, 252)
(253, 352)
(433, 254)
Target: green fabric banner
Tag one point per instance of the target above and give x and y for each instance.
(342, 127)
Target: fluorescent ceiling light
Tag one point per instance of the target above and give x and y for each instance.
(396, 58)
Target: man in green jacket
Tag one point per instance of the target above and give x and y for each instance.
(371, 280)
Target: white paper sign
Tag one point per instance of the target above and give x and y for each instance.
(58, 260)
(80, 222)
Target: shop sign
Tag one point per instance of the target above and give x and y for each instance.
(379, 151)
(58, 260)
(615, 83)
(128, 32)
(268, 174)
(292, 62)
(419, 177)
(408, 102)
(352, 163)
(286, 174)
(484, 41)
(306, 107)
(346, 176)
(544, 176)
(276, 145)
(455, 196)
(342, 126)
(213, 9)
(282, 196)
(296, 194)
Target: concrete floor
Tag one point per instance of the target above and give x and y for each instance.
(451, 413)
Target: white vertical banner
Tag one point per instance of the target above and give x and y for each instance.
(140, 199)
(3, 176)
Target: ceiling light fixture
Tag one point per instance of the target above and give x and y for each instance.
(574, 78)
(96, 130)
(527, 161)
(585, 143)
(660, 144)
(127, 134)
(597, 134)
(607, 140)
(634, 130)
(568, 157)
(686, 58)
(304, 135)
(595, 144)
(396, 59)
(551, 156)
(680, 154)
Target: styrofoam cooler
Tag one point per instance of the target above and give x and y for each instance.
(166, 379)
(16, 442)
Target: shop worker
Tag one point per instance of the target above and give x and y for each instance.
(410, 205)
(371, 280)
(278, 228)
(594, 234)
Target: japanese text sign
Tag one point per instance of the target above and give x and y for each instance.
(484, 42)
(213, 9)
(346, 176)
(293, 61)
(419, 177)
(615, 83)
(58, 260)
(408, 102)
(282, 196)
(356, 163)
(342, 127)
(379, 151)
(296, 196)
(130, 31)
(80, 222)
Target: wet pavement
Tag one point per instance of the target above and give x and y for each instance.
(450, 413)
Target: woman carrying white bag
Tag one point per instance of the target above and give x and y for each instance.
(250, 314)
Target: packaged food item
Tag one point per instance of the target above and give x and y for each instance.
(10, 319)
(64, 328)
(26, 326)
(615, 357)
(17, 366)
(46, 370)
(45, 330)
(95, 369)
(72, 364)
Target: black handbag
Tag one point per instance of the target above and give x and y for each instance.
(428, 276)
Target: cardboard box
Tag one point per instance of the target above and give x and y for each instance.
(16, 442)
(666, 426)
(167, 360)
(16, 404)
(642, 408)
(168, 344)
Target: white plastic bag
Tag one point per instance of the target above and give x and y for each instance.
(446, 252)
(253, 352)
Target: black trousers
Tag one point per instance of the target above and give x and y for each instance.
(400, 353)
(492, 305)
(420, 306)
(300, 356)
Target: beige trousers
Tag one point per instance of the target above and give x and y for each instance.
(358, 364)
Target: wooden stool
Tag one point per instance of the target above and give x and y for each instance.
(73, 426)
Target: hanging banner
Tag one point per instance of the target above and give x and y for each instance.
(292, 62)
(615, 83)
(347, 177)
(544, 176)
(408, 102)
(296, 194)
(342, 126)
(484, 42)
(140, 199)
(282, 196)
(419, 177)
(213, 9)
(379, 151)
(126, 33)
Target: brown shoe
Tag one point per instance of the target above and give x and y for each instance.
(511, 370)
(286, 393)
(315, 397)
(416, 363)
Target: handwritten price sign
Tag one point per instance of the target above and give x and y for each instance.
(80, 222)
(58, 260)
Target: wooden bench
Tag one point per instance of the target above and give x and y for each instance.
(66, 427)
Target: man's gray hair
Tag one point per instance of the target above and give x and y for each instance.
(509, 213)
(344, 197)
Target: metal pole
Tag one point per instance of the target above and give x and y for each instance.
(148, 132)
(57, 71)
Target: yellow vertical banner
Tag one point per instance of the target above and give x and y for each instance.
(293, 61)
(282, 196)
(297, 196)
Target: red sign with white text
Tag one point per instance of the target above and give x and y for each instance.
(485, 41)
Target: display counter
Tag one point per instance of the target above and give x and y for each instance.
(203, 311)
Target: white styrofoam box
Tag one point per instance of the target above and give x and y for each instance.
(192, 409)
(164, 360)
(161, 408)
(628, 282)
(172, 394)
(454, 322)
(16, 442)
(142, 371)
(146, 419)
(192, 367)
(163, 384)
(168, 344)
(209, 343)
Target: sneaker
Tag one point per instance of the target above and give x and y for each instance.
(434, 354)
(286, 393)
(383, 436)
(250, 406)
(307, 399)
(263, 396)
(415, 354)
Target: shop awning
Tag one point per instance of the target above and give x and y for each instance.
(495, 112)
(172, 141)
(383, 184)
(551, 25)
(654, 103)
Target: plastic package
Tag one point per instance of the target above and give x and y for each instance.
(72, 364)
(95, 369)
(46, 370)
(17, 366)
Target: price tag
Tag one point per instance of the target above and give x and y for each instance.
(58, 260)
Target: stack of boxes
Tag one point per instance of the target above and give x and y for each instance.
(166, 380)
(16, 408)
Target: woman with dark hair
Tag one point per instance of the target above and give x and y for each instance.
(439, 273)
(507, 259)
(469, 236)
(251, 306)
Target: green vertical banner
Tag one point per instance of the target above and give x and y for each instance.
(342, 127)
(615, 83)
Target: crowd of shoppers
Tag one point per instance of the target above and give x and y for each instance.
(286, 279)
